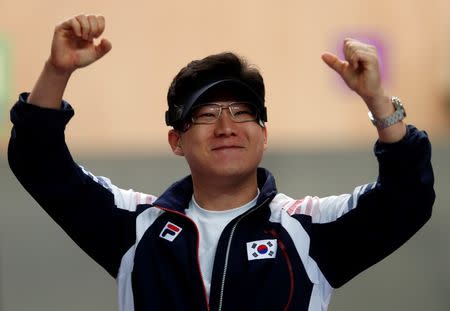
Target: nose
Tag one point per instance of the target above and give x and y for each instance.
(225, 126)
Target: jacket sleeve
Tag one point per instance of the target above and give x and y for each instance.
(366, 226)
(98, 216)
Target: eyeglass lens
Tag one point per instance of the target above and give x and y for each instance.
(210, 113)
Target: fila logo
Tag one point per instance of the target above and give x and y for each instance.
(262, 249)
(170, 231)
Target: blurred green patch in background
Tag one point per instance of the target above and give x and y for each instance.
(5, 80)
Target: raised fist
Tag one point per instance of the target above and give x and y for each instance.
(73, 44)
(360, 69)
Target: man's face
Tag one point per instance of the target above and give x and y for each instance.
(222, 149)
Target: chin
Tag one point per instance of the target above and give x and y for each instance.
(225, 167)
(233, 171)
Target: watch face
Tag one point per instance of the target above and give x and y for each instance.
(398, 105)
(394, 118)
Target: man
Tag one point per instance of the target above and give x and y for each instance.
(222, 238)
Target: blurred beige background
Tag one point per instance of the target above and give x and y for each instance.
(120, 101)
(320, 139)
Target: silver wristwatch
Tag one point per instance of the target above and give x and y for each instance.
(394, 118)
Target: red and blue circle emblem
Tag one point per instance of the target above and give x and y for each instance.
(262, 249)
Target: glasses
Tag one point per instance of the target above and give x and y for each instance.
(210, 113)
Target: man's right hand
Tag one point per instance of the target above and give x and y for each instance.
(72, 48)
(73, 43)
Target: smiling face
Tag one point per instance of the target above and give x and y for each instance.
(222, 149)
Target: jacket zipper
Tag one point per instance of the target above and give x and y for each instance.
(225, 267)
(198, 246)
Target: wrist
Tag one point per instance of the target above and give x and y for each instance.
(393, 133)
(388, 121)
(49, 88)
(380, 105)
(56, 73)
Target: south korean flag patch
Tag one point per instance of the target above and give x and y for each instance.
(262, 249)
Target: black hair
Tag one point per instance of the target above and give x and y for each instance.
(197, 73)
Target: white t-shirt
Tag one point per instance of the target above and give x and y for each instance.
(210, 225)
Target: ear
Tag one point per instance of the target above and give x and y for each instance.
(174, 138)
(265, 137)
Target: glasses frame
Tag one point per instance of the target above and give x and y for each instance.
(228, 106)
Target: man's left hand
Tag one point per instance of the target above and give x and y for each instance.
(360, 71)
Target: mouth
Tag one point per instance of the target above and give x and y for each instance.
(231, 147)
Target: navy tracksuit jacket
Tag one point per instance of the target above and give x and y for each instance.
(151, 247)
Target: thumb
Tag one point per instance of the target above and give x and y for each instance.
(102, 48)
(335, 63)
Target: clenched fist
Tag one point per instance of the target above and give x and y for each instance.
(73, 47)
(73, 44)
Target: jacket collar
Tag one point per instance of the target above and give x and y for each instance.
(178, 195)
